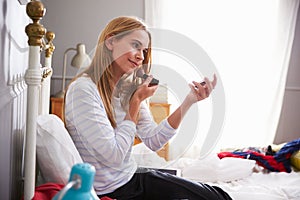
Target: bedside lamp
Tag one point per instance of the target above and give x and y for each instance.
(77, 61)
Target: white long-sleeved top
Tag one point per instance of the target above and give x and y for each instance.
(104, 147)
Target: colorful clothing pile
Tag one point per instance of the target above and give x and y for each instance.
(278, 162)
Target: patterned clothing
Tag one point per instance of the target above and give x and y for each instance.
(104, 147)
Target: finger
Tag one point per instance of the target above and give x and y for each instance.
(199, 94)
(214, 82)
(192, 87)
(208, 88)
(201, 91)
(154, 87)
(148, 80)
(208, 85)
(198, 85)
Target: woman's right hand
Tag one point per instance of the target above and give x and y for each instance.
(143, 92)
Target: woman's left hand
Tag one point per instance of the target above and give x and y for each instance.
(199, 92)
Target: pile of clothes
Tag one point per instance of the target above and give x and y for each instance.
(275, 161)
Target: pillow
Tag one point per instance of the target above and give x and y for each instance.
(56, 152)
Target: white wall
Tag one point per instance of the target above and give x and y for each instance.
(76, 21)
(82, 21)
(289, 125)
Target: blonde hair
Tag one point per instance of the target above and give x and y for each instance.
(100, 69)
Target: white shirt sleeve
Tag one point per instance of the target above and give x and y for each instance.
(154, 136)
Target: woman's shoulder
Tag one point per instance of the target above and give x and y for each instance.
(83, 82)
(83, 85)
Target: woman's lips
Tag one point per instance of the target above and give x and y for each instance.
(134, 63)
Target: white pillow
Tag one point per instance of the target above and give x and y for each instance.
(213, 169)
(56, 152)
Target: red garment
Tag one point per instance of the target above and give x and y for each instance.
(106, 198)
(48, 190)
(269, 162)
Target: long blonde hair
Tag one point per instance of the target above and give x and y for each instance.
(100, 69)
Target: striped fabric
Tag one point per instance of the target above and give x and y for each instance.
(108, 149)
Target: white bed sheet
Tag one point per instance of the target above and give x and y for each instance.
(261, 186)
(236, 176)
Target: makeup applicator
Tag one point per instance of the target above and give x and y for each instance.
(140, 73)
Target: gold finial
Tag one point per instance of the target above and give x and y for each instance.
(50, 37)
(35, 31)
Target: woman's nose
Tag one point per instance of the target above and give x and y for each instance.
(139, 55)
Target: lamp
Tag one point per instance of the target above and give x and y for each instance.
(77, 61)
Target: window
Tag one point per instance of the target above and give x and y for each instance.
(249, 43)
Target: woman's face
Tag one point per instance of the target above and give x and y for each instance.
(128, 51)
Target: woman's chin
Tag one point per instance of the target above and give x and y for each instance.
(130, 71)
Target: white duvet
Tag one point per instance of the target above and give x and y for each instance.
(259, 186)
(234, 175)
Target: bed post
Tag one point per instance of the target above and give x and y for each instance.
(46, 75)
(35, 31)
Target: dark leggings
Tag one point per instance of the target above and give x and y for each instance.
(149, 184)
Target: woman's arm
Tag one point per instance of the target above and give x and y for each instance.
(155, 136)
(197, 93)
(152, 134)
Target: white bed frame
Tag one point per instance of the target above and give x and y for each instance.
(38, 80)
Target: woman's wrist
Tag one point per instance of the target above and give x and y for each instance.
(188, 102)
(134, 100)
(134, 107)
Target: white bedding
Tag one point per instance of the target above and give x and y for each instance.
(234, 175)
(260, 186)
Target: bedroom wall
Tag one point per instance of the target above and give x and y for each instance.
(13, 62)
(289, 126)
(81, 22)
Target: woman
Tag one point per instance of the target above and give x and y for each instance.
(105, 108)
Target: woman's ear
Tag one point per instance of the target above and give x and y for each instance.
(109, 42)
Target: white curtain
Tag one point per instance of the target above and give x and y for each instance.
(250, 43)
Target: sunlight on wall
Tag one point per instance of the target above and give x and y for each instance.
(240, 37)
(177, 73)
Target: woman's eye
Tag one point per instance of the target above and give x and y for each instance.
(135, 45)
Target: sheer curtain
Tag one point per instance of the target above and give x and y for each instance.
(250, 44)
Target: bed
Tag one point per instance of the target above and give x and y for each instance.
(242, 178)
(47, 138)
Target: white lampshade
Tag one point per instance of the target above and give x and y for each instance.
(80, 57)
